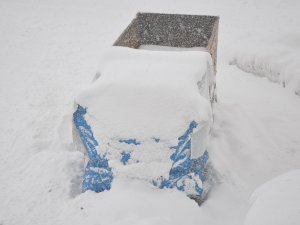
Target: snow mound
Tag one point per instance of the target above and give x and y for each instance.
(141, 117)
(133, 202)
(148, 94)
(277, 59)
(276, 202)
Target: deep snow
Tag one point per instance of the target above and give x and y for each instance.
(147, 116)
(157, 90)
(276, 202)
(50, 51)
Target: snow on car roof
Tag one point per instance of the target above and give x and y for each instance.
(147, 94)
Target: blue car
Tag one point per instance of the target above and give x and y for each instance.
(147, 116)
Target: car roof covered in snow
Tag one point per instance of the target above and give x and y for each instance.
(144, 94)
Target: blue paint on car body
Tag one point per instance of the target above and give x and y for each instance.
(130, 141)
(98, 175)
(184, 169)
(125, 157)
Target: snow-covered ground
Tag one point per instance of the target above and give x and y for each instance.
(276, 202)
(50, 51)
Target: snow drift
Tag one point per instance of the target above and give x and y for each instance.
(276, 202)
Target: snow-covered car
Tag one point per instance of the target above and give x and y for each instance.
(147, 116)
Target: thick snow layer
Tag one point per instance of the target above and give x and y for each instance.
(144, 94)
(276, 202)
(168, 48)
(256, 130)
(138, 109)
(270, 46)
(278, 60)
(49, 52)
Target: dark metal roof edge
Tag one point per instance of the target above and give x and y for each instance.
(177, 14)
